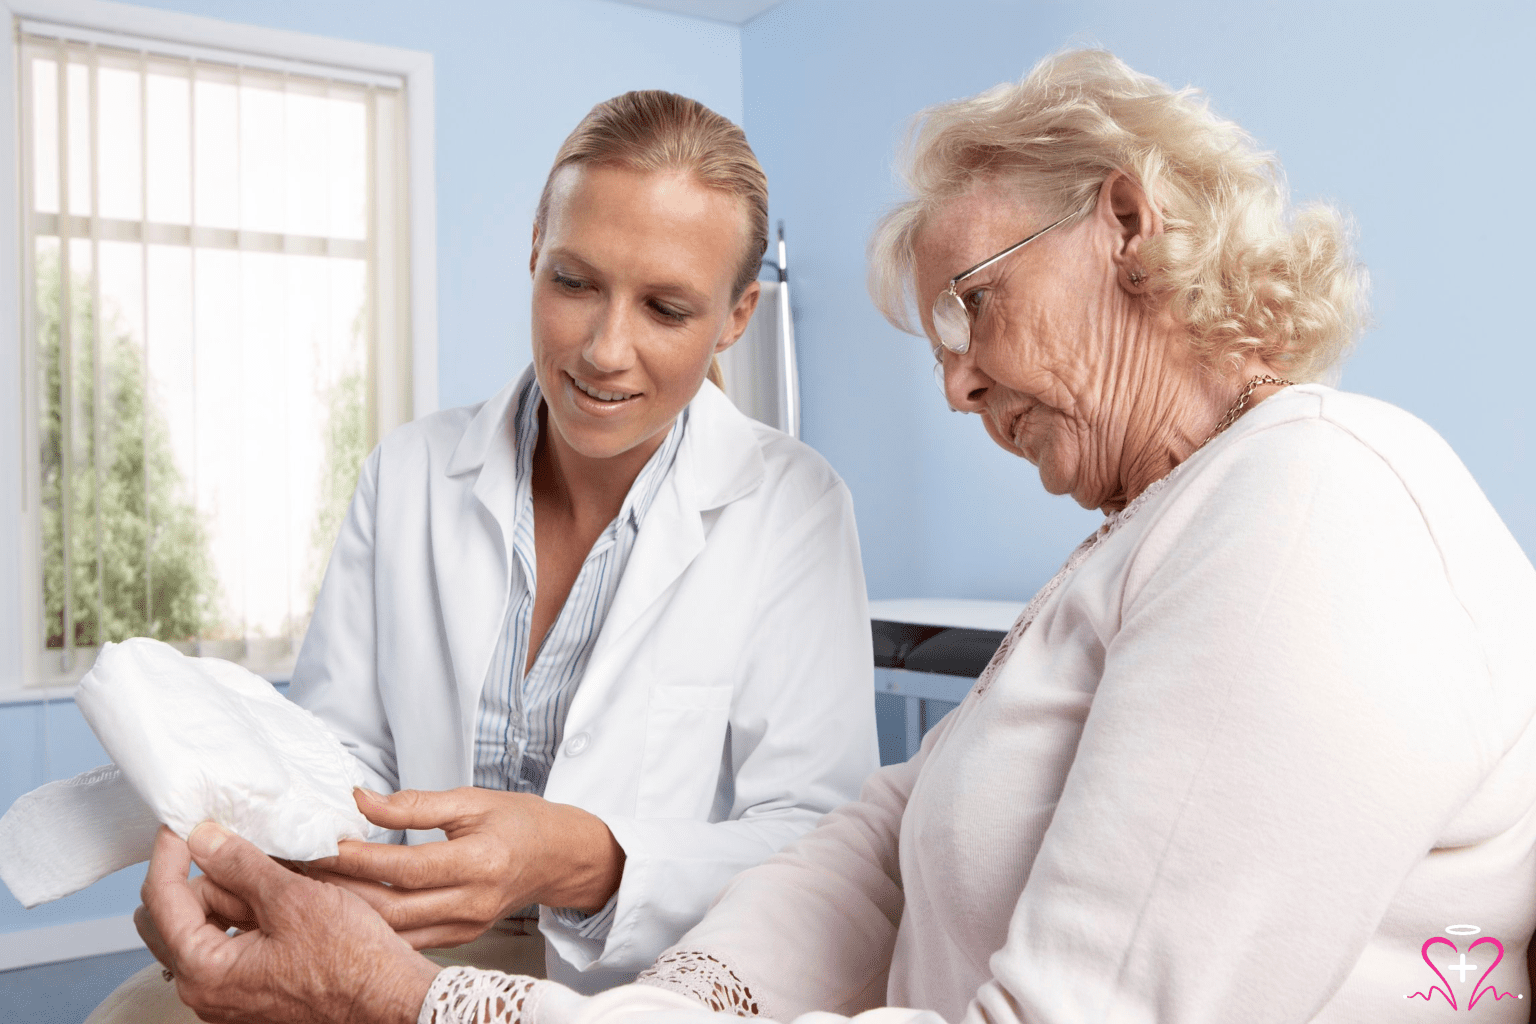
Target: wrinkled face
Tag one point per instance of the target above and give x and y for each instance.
(1049, 368)
(632, 277)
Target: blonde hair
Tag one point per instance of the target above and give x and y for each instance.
(653, 130)
(1241, 272)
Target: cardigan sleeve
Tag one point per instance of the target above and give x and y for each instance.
(813, 928)
(466, 995)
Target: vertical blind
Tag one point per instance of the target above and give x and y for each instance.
(216, 302)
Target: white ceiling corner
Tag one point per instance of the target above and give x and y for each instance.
(731, 12)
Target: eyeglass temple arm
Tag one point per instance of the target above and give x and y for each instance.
(984, 264)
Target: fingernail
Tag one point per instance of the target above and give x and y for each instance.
(370, 794)
(206, 838)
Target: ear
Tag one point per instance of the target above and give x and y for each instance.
(741, 315)
(533, 254)
(1135, 218)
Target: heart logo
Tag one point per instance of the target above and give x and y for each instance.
(1478, 988)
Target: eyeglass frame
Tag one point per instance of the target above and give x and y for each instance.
(952, 293)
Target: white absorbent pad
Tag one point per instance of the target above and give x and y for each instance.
(192, 739)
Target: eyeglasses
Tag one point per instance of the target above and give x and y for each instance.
(951, 318)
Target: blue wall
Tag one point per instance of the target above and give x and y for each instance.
(1414, 117)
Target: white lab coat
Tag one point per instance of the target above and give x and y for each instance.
(728, 703)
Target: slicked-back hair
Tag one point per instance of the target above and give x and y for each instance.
(652, 130)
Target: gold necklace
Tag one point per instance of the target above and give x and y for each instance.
(1241, 404)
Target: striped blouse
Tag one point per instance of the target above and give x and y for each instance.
(522, 716)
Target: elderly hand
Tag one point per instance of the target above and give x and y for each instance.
(504, 851)
(316, 953)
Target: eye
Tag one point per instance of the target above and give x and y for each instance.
(569, 284)
(670, 313)
(973, 301)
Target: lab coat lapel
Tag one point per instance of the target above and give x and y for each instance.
(717, 462)
(670, 538)
(474, 599)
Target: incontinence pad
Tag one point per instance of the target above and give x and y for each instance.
(195, 739)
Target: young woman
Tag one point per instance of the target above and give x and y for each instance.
(620, 623)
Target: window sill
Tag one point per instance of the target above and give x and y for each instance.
(46, 694)
(37, 694)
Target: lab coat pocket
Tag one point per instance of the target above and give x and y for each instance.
(684, 741)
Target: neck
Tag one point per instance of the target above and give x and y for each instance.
(588, 490)
(1177, 417)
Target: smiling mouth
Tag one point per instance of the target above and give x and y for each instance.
(611, 397)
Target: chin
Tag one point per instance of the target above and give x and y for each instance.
(1054, 486)
(599, 444)
(1058, 479)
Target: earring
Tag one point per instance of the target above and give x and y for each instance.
(1137, 277)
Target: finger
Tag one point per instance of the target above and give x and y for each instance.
(223, 911)
(376, 894)
(428, 866)
(242, 870)
(407, 909)
(151, 935)
(442, 936)
(223, 908)
(223, 904)
(169, 861)
(178, 916)
(421, 808)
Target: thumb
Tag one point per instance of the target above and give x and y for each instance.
(416, 808)
(239, 867)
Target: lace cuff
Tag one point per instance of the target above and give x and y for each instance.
(468, 995)
(703, 978)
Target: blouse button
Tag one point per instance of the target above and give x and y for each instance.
(576, 744)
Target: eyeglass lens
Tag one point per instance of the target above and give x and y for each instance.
(952, 322)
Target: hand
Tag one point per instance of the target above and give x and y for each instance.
(224, 909)
(316, 953)
(504, 851)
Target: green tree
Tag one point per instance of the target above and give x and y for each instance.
(139, 563)
(346, 445)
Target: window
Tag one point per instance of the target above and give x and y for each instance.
(216, 298)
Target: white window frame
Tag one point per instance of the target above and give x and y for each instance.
(275, 48)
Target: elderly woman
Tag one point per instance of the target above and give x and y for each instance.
(1263, 750)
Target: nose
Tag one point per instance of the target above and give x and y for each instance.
(610, 348)
(965, 384)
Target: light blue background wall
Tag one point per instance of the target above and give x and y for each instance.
(1416, 117)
